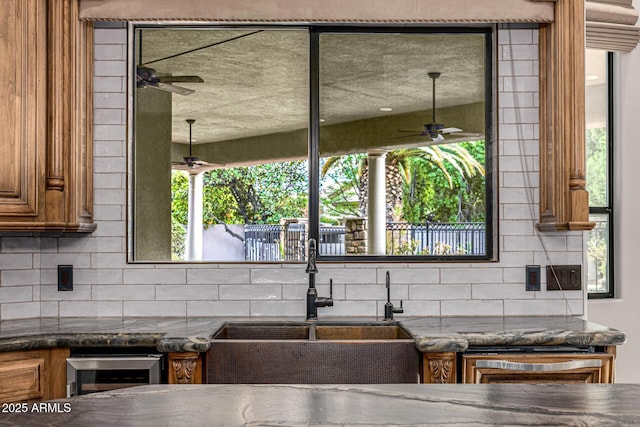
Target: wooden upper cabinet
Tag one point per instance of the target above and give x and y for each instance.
(46, 156)
(564, 201)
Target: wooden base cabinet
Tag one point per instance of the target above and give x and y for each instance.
(29, 376)
(537, 368)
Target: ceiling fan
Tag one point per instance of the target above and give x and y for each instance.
(434, 130)
(191, 162)
(146, 77)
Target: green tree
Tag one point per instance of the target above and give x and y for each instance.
(415, 180)
(260, 194)
(596, 146)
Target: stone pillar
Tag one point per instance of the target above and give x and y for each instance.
(193, 246)
(376, 212)
(355, 236)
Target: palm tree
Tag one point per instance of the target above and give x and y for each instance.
(398, 172)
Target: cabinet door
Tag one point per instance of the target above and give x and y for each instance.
(46, 110)
(537, 368)
(32, 375)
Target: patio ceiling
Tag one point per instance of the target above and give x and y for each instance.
(258, 84)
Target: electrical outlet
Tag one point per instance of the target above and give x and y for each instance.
(564, 277)
(65, 277)
(533, 277)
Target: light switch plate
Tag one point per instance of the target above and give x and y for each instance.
(564, 277)
(65, 277)
(532, 278)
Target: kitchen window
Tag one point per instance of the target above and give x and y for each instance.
(599, 149)
(249, 141)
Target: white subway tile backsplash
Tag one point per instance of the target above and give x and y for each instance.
(208, 276)
(345, 275)
(117, 36)
(218, 308)
(535, 308)
(16, 294)
(439, 292)
(124, 292)
(503, 290)
(154, 308)
(296, 292)
(278, 275)
(107, 285)
(21, 261)
(110, 52)
(186, 292)
(107, 148)
(471, 275)
(410, 276)
(19, 278)
(518, 52)
(347, 308)
(108, 180)
(19, 310)
(374, 292)
(472, 308)
(160, 276)
(515, 131)
(251, 292)
(19, 245)
(51, 293)
(103, 85)
(110, 69)
(413, 308)
(279, 308)
(108, 213)
(517, 36)
(90, 308)
(49, 309)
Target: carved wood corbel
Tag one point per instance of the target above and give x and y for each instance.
(439, 368)
(185, 368)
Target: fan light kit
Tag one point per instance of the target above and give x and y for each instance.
(191, 161)
(435, 130)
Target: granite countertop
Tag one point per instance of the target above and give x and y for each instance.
(432, 334)
(328, 405)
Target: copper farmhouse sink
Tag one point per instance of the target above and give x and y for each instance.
(308, 353)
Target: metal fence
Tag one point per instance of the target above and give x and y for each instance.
(331, 240)
(436, 238)
(277, 242)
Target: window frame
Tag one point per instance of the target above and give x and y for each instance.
(608, 210)
(314, 31)
(490, 143)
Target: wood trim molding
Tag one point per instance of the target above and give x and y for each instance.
(439, 368)
(185, 368)
(564, 200)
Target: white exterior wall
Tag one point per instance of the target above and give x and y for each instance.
(105, 285)
(622, 312)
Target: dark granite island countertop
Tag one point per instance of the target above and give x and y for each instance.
(328, 405)
(432, 334)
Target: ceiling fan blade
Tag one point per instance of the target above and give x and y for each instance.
(450, 130)
(173, 88)
(413, 135)
(180, 79)
(412, 131)
(438, 138)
